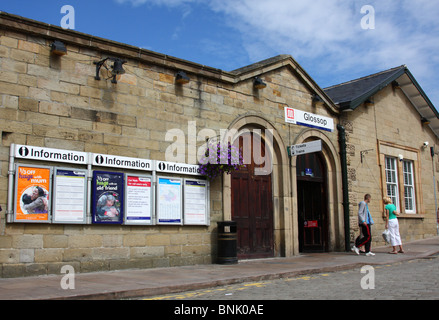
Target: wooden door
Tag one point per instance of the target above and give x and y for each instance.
(252, 203)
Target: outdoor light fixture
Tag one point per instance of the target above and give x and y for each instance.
(58, 48)
(258, 83)
(181, 78)
(116, 68)
(364, 152)
(316, 98)
(425, 121)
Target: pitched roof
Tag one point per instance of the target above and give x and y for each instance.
(349, 95)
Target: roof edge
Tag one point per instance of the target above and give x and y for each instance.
(37, 28)
(364, 77)
(422, 92)
(21, 24)
(356, 102)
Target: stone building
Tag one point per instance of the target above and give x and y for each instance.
(392, 130)
(72, 110)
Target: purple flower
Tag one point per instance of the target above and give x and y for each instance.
(219, 159)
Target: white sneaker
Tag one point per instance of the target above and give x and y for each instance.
(370, 254)
(355, 249)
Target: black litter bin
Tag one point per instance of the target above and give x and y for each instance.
(227, 242)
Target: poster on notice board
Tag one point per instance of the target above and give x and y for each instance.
(169, 198)
(32, 193)
(195, 202)
(69, 195)
(108, 197)
(138, 199)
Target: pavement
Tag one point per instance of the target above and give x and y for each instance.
(132, 283)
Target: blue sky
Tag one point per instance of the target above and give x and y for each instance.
(324, 36)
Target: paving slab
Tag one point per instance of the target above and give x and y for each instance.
(150, 282)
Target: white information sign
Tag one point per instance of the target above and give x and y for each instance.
(106, 160)
(169, 200)
(49, 154)
(138, 199)
(70, 196)
(308, 119)
(304, 148)
(178, 168)
(195, 202)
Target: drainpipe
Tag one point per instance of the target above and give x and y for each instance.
(344, 173)
(434, 188)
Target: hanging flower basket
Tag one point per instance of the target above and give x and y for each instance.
(219, 159)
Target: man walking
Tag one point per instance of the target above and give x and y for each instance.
(364, 221)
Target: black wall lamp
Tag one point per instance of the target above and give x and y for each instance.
(425, 121)
(58, 48)
(316, 98)
(258, 83)
(181, 78)
(116, 68)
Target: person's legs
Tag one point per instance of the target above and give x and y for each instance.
(393, 235)
(365, 240)
(369, 240)
(397, 237)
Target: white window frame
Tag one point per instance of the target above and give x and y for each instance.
(394, 170)
(409, 186)
(392, 173)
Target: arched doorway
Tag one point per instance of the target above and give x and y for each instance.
(252, 200)
(311, 173)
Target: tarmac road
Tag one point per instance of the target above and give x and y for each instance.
(407, 280)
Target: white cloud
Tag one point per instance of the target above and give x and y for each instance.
(170, 3)
(326, 36)
(297, 27)
(322, 28)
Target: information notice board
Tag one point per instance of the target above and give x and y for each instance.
(196, 202)
(138, 199)
(52, 194)
(169, 200)
(69, 196)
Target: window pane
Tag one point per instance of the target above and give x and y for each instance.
(408, 194)
(392, 180)
(409, 187)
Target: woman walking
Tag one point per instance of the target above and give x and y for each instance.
(393, 225)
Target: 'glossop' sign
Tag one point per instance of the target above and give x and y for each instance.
(308, 119)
